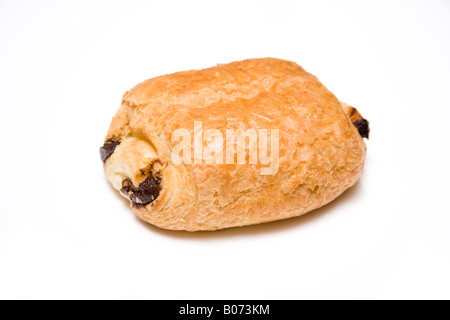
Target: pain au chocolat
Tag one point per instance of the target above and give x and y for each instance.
(279, 145)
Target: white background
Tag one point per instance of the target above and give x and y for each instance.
(65, 233)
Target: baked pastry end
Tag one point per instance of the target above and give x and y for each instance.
(358, 121)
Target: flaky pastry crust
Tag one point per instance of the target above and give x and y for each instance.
(321, 152)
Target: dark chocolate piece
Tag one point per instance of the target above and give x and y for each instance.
(146, 193)
(108, 149)
(363, 127)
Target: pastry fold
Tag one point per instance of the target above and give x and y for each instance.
(320, 151)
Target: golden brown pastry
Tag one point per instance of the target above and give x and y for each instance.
(241, 180)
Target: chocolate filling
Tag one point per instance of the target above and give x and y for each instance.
(108, 149)
(363, 127)
(146, 193)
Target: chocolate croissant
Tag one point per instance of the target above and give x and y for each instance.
(237, 144)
